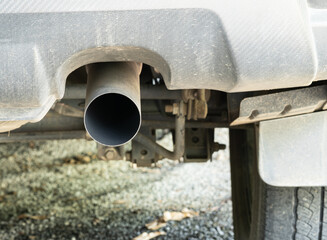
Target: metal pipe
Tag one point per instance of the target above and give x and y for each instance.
(112, 114)
(47, 135)
(159, 92)
(162, 124)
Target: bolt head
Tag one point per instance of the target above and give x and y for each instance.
(175, 109)
(169, 108)
(110, 154)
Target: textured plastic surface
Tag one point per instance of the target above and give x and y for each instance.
(292, 151)
(236, 45)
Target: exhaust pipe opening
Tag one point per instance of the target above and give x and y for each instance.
(115, 127)
(112, 116)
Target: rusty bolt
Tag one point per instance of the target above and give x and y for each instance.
(218, 146)
(169, 108)
(110, 154)
(174, 109)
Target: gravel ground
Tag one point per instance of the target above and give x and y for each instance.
(59, 190)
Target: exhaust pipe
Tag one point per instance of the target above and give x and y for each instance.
(112, 114)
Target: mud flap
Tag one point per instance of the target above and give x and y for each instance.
(293, 150)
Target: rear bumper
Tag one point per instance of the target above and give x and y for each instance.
(232, 46)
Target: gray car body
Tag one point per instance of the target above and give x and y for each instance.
(231, 46)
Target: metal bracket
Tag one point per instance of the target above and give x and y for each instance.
(67, 110)
(244, 109)
(195, 101)
(111, 153)
(142, 155)
(179, 147)
(200, 145)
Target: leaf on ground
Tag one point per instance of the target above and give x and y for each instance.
(178, 216)
(120, 201)
(85, 159)
(147, 236)
(24, 216)
(96, 221)
(69, 160)
(156, 224)
(170, 216)
(79, 159)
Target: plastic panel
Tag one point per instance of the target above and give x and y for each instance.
(232, 46)
(292, 151)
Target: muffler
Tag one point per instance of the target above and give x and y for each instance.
(112, 114)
